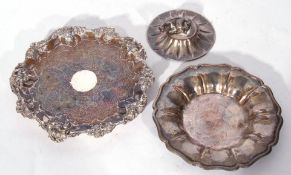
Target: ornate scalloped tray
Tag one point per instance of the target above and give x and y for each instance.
(217, 116)
(42, 82)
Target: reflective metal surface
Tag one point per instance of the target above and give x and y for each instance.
(43, 82)
(181, 35)
(217, 116)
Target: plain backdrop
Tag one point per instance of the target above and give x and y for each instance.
(252, 34)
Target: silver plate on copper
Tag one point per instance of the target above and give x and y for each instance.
(181, 35)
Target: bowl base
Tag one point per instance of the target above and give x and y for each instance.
(214, 120)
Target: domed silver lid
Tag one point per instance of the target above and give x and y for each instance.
(181, 35)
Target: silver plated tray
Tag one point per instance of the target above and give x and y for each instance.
(43, 82)
(217, 116)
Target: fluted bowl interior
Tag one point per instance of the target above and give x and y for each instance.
(217, 116)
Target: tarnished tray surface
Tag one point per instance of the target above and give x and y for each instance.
(42, 81)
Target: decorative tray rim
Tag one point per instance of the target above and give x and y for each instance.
(59, 130)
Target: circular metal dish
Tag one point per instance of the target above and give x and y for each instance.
(181, 35)
(42, 82)
(217, 116)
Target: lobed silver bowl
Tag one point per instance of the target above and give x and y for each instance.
(217, 116)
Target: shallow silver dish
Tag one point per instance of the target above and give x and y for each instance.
(217, 116)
